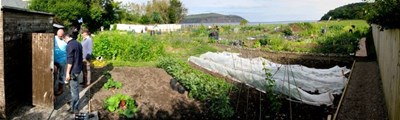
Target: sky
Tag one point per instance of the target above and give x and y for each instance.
(263, 10)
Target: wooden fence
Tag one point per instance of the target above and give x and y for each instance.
(387, 45)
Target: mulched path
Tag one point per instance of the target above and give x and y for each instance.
(364, 99)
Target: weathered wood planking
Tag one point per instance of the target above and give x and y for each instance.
(16, 28)
(42, 76)
(387, 45)
(2, 87)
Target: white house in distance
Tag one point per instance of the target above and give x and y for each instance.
(143, 28)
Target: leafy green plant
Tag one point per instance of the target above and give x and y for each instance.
(115, 45)
(257, 44)
(107, 74)
(114, 27)
(111, 83)
(122, 104)
(201, 86)
(343, 43)
(264, 41)
(287, 31)
(272, 97)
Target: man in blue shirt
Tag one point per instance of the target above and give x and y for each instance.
(74, 68)
(60, 60)
(87, 45)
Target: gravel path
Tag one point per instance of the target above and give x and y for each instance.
(364, 99)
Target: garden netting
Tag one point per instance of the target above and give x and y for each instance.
(307, 85)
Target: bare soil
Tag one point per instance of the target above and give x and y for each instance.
(151, 89)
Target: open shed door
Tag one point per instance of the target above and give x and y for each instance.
(42, 66)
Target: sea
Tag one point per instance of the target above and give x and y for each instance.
(250, 23)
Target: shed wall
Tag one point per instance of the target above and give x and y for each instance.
(17, 29)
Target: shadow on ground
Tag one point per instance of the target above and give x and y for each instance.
(61, 104)
(97, 85)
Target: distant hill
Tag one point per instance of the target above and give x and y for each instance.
(212, 18)
(350, 11)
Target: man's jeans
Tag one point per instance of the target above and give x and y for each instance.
(60, 77)
(74, 87)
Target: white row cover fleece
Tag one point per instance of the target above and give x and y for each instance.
(295, 81)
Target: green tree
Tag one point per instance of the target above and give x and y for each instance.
(176, 12)
(95, 13)
(154, 12)
(244, 22)
(385, 13)
(131, 13)
(156, 18)
(350, 11)
(159, 6)
(66, 12)
(144, 20)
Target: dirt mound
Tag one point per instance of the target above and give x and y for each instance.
(151, 89)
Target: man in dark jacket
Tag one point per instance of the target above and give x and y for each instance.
(74, 68)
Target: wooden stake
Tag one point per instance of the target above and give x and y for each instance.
(344, 92)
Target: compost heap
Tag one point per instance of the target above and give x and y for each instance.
(295, 81)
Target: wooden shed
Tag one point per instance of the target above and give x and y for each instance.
(26, 49)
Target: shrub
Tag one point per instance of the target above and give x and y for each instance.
(252, 28)
(200, 49)
(201, 86)
(244, 22)
(306, 25)
(122, 104)
(201, 31)
(127, 47)
(385, 13)
(287, 31)
(257, 44)
(114, 27)
(264, 41)
(343, 43)
(336, 27)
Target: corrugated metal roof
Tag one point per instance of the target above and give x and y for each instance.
(14, 3)
(19, 5)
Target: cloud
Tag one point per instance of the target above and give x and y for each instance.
(264, 10)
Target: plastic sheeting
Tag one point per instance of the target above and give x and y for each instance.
(290, 80)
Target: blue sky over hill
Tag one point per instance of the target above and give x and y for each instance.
(264, 10)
